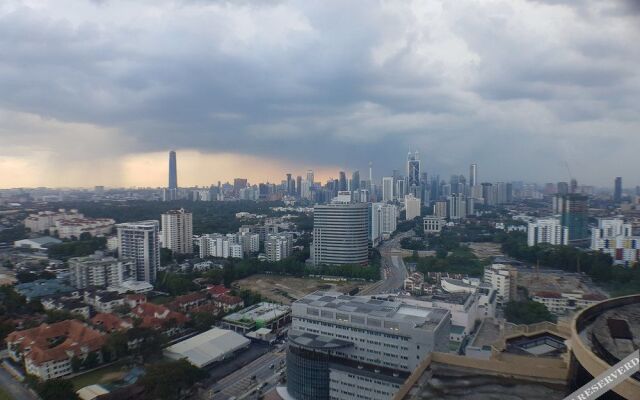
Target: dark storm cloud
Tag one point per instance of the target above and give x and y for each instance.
(334, 83)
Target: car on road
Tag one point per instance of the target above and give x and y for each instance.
(272, 366)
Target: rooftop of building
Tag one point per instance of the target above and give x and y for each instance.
(261, 312)
(57, 341)
(374, 307)
(208, 347)
(111, 322)
(452, 298)
(43, 287)
(43, 240)
(613, 333)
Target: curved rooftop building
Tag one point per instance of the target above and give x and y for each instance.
(601, 336)
(340, 234)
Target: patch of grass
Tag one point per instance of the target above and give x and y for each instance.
(99, 376)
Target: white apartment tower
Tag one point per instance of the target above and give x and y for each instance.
(177, 231)
(412, 206)
(387, 189)
(140, 241)
(503, 278)
(547, 230)
(278, 246)
(99, 271)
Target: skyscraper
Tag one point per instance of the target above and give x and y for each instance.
(173, 171)
(573, 209)
(473, 175)
(387, 189)
(355, 181)
(310, 177)
(413, 170)
(139, 241)
(617, 192)
(340, 234)
(563, 188)
(342, 181)
(298, 185)
(177, 231)
(290, 184)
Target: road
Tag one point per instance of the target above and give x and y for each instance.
(240, 384)
(15, 389)
(393, 269)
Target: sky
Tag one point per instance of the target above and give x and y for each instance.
(96, 92)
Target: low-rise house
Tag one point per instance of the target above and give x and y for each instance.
(48, 350)
(189, 301)
(228, 302)
(217, 290)
(564, 303)
(73, 306)
(44, 288)
(159, 317)
(110, 323)
(133, 300)
(103, 301)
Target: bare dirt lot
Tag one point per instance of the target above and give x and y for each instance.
(285, 289)
(486, 250)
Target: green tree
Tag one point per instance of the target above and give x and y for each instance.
(169, 380)
(527, 312)
(76, 364)
(91, 361)
(56, 389)
(117, 345)
(203, 321)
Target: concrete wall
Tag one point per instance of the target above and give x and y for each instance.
(537, 369)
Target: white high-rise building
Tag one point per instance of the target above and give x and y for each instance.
(99, 271)
(250, 242)
(457, 208)
(177, 231)
(384, 220)
(412, 207)
(340, 234)
(615, 238)
(387, 189)
(503, 278)
(278, 246)
(140, 241)
(440, 209)
(547, 230)
(222, 246)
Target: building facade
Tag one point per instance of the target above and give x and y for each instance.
(177, 231)
(349, 347)
(278, 246)
(139, 241)
(503, 278)
(614, 237)
(547, 230)
(340, 234)
(412, 207)
(99, 271)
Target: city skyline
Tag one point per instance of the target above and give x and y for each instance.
(224, 84)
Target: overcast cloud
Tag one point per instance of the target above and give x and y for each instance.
(519, 87)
